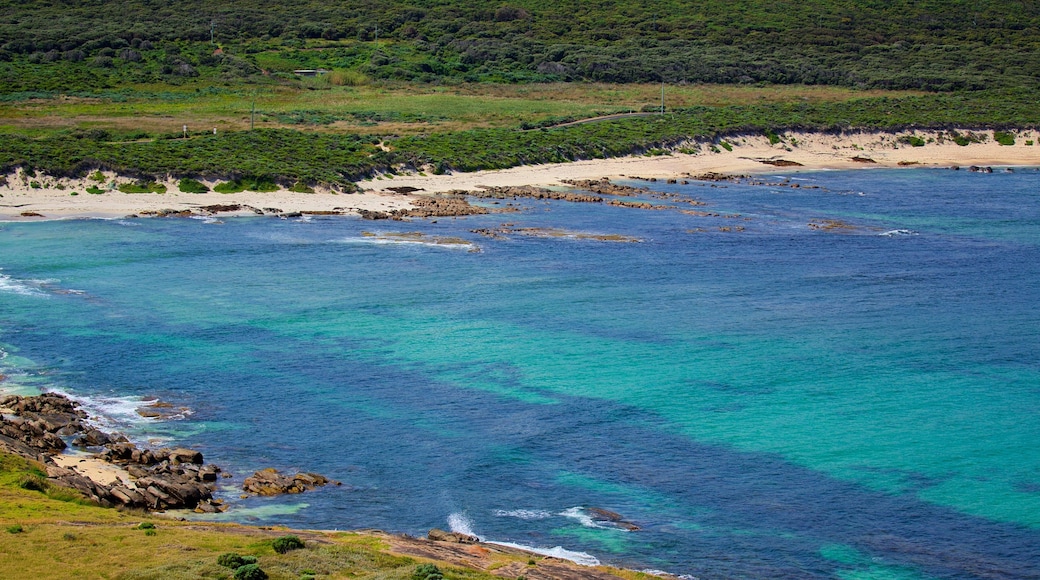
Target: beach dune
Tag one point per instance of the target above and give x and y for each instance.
(749, 154)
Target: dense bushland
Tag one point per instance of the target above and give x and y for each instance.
(928, 44)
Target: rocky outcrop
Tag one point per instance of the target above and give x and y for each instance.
(427, 207)
(439, 535)
(531, 192)
(637, 204)
(614, 519)
(270, 482)
(157, 479)
(604, 186)
(779, 162)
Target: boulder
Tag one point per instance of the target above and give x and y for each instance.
(270, 482)
(439, 535)
(185, 456)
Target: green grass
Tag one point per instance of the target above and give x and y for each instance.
(46, 538)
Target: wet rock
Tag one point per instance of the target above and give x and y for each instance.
(613, 518)
(219, 208)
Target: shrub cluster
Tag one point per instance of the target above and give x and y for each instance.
(287, 544)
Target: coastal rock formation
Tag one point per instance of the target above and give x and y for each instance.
(604, 186)
(426, 207)
(779, 162)
(529, 191)
(270, 482)
(637, 204)
(615, 519)
(439, 535)
(160, 479)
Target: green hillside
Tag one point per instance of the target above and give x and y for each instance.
(900, 44)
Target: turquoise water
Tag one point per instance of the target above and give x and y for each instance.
(859, 402)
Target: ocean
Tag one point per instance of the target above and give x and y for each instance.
(838, 380)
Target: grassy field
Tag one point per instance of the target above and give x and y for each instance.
(51, 534)
(404, 109)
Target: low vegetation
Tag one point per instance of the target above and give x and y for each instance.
(52, 534)
(262, 159)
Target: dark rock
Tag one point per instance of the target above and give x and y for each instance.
(185, 456)
(606, 516)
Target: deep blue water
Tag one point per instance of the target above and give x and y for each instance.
(777, 402)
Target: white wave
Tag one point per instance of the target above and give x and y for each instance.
(206, 219)
(460, 523)
(578, 513)
(893, 233)
(380, 241)
(22, 287)
(119, 414)
(523, 514)
(658, 573)
(580, 558)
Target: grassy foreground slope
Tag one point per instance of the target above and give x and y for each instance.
(49, 533)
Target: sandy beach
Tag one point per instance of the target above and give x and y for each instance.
(54, 198)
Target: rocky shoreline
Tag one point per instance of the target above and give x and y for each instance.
(116, 472)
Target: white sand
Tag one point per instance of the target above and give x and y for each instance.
(94, 469)
(813, 151)
(51, 202)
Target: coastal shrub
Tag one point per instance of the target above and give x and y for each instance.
(95, 190)
(35, 184)
(1029, 142)
(773, 137)
(229, 187)
(287, 544)
(250, 572)
(97, 176)
(912, 140)
(192, 186)
(726, 146)
(142, 187)
(230, 560)
(146, 526)
(301, 187)
(1003, 138)
(427, 572)
(15, 529)
(33, 482)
